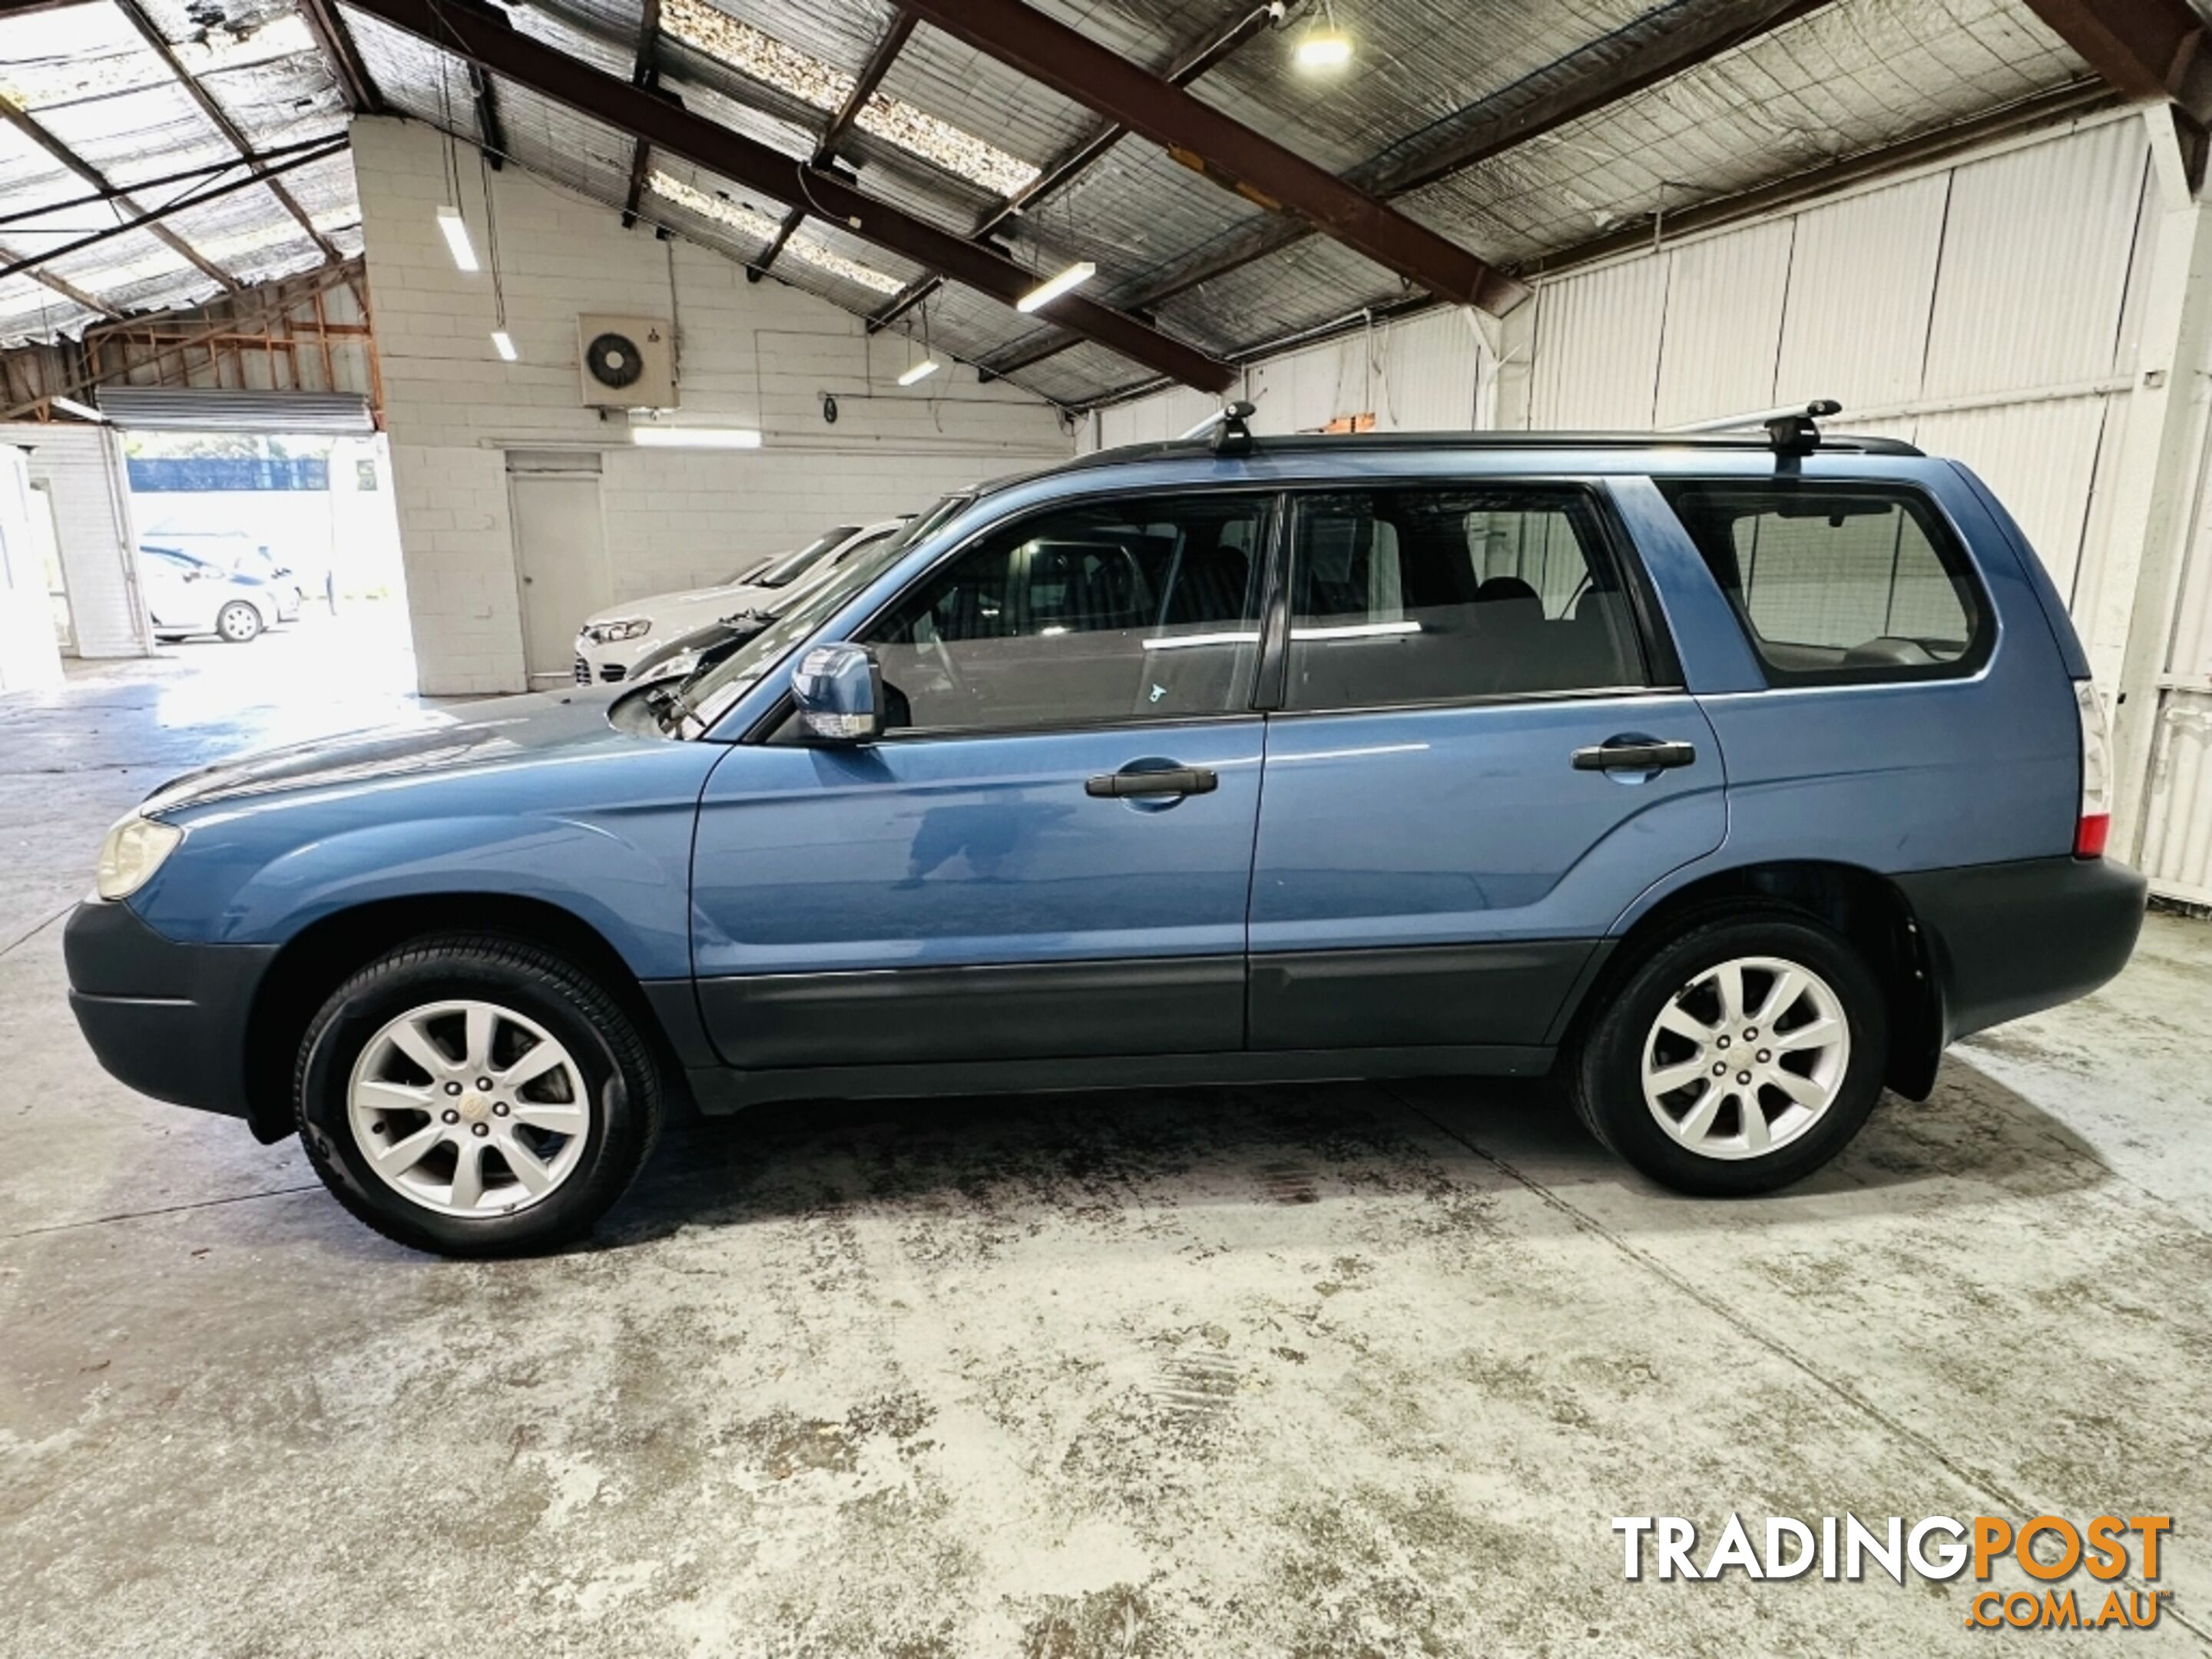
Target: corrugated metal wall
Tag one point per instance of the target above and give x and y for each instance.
(1999, 284)
(1426, 373)
(2177, 834)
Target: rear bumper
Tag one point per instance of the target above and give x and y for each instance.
(168, 1020)
(2008, 939)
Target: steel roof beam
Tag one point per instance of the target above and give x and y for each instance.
(344, 57)
(2144, 48)
(158, 45)
(645, 77)
(1224, 150)
(490, 129)
(825, 148)
(1597, 75)
(471, 30)
(61, 286)
(1078, 161)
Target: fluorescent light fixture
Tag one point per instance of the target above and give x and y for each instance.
(920, 371)
(1323, 49)
(457, 237)
(70, 406)
(1050, 289)
(696, 437)
(503, 344)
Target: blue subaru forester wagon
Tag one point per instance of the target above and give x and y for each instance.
(1726, 779)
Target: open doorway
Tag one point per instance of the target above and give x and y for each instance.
(286, 543)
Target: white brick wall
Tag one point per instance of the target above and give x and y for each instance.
(81, 470)
(754, 354)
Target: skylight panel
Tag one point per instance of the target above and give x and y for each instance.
(770, 61)
(763, 229)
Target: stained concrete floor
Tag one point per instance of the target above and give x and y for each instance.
(1347, 1369)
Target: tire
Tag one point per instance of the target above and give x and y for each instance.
(238, 622)
(1834, 1043)
(580, 1126)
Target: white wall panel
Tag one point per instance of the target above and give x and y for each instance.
(2039, 457)
(1597, 348)
(1861, 279)
(1724, 310)
(2177, 842)
(1432, 370)
(2036, 255)
(80, 468)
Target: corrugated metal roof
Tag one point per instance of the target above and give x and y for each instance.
(1852, 75)
(86, 75)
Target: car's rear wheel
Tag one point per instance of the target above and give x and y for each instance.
(1737, 1057)
(474, 1095)
(237, 622)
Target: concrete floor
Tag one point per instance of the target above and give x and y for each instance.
(1347, 1369)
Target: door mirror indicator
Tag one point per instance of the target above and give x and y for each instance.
(839, 692)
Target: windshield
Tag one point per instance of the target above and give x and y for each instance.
(707, 694)
(788, 569)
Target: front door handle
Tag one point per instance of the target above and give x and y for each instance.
(1165, 780)
(1634, 756)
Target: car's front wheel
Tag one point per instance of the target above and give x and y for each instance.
(476, 1096)
(237, 622)
(1737, 1057)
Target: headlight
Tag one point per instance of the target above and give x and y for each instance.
(133, 851)
(621, 628)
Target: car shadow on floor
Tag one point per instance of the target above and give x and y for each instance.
(1974, 1142)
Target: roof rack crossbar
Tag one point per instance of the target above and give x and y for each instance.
(1790, 428)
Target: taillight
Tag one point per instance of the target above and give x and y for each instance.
(2094, 822)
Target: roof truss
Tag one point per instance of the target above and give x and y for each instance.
(28, 126)
(1601, 74)
(483, 36)
(1224, 150)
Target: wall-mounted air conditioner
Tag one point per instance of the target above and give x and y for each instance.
(628, 362)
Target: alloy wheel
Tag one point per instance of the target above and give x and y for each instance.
(1747, 1057)
(469, 1109)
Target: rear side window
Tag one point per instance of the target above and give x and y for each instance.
(1408, 596)
(1836, 583)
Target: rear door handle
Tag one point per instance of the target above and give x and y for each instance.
(1634, 757)
(1167, 780)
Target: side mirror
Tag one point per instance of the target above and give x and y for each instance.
(839, 691)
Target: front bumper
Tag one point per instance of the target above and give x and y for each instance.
(168, 1020)
(2008, 939)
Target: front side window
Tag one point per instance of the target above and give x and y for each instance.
(1443, 595)
(1140, 609)
(1837, 582)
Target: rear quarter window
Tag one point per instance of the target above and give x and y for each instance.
(1840, 584)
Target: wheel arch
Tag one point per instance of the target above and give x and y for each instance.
(1866, 908)
(318, 959)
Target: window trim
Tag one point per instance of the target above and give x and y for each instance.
(778, 715)
(1655, 640)
(1956, 560)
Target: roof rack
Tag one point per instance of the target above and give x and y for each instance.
(1732, 437)
(1789, 428)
